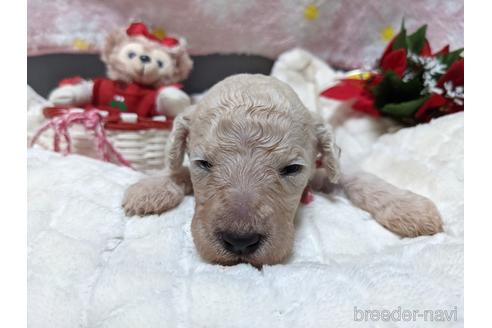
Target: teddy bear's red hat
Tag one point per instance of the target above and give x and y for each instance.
(136, 29)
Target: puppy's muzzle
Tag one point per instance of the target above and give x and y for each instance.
(240, 244)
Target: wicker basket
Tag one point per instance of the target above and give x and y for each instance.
(140, 143)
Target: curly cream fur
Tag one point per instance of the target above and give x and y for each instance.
(401, 211)
(249, 127)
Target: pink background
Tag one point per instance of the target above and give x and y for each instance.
(345, 33)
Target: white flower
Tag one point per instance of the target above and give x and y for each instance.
(432, 68)
(455, 93)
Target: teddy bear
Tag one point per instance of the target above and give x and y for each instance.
(143, 72)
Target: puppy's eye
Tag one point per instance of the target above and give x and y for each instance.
(160, 63)
(291, 170)
(204, 165)
(131, 54)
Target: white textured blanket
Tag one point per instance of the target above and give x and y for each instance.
(90, 266)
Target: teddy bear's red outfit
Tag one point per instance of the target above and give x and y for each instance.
(119, 97)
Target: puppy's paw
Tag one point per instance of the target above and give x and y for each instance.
(409, 215)
(153, 195)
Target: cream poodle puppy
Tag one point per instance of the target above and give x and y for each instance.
(253, 149)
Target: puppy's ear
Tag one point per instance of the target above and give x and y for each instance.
(330, 152)
(177, 142)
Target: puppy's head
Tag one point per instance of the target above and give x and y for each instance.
(252, 147)
(133, 56)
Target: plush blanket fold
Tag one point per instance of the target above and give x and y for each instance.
(90, 266)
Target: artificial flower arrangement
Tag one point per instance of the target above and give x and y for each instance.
(410, 84)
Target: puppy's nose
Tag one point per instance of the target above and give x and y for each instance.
(241, 244)
(144, 59)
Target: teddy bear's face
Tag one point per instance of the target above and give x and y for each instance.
(144, 64)
(137, 59)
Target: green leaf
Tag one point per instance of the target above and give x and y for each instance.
(122, 106)
(401, 38)
(416, 40)
(404, 109)
(393, 90)
(118, 104)
(451, 57)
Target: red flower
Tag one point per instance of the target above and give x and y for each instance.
(398, 97)
(438, 105)
(389, 48)
(443, 51)
(455, 74)
(395, 61)
(375, 79)
(425, 51)
(349, 89)
(345, 90)
(429, 107)
(365, 103)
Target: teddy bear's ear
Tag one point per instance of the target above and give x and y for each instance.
(184, 64)
(112, 40)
